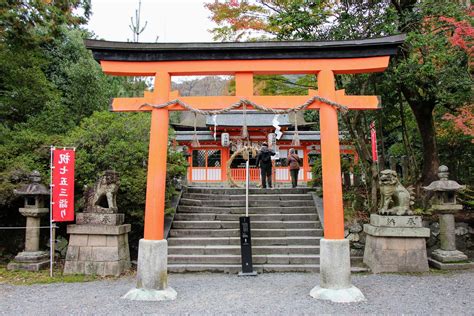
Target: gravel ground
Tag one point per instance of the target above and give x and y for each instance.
(434, 293)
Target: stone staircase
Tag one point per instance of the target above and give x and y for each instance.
(205, 233)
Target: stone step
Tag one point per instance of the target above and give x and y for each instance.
(254, 217)
(236, 268)
(236, 259)
(256, 259)
(253, 197)
(237, 191)
(260, 268)
(264, 268)
(235, 250)
(257, 241)
(241, 203)
(241, 210)
(255, 224)
(234, 232)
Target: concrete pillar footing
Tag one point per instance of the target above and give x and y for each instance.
(152, 273)
(167, 294)
(347, 295)
(335, 276)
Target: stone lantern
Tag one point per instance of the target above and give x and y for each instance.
(34, 194)
(444, 203)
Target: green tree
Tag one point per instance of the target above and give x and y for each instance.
(119, 141)
(432, 70)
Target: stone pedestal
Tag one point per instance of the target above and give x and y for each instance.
(396, 244)
(152, 273)
(335, 276)
(31, 259)
(97, 249)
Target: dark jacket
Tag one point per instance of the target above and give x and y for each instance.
(261, 157)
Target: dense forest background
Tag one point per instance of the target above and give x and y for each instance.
(52, 92)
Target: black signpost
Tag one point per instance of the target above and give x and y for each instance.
(246, 247)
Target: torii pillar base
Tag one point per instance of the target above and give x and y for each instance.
(152, 273)
(335, 274)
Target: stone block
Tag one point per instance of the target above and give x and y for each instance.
(388, 254)
(78, 240)
(415, 243)
(395, 221)
(450, 266)
(98, 250)
(396, 231)
(113, 241)
(72, 253)
(97, 241)
(99, 219)
(94, 268)
(125, 264)
(394, 243)
(32, 256)
(74, 267)
(124, 252)
(392, 256)
(450, 256)
(416, 260)
(98, 229)
(113, 268)
(101, 254)
(28, 266)
(85, 253)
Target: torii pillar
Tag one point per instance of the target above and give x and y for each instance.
(335, 267)
(325, 59)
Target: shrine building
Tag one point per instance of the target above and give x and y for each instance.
(218, 137)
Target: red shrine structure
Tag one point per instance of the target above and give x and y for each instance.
(221, 135)
(325, 60)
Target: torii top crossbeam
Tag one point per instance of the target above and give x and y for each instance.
(244, 60)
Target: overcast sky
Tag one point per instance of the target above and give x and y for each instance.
(171, 20)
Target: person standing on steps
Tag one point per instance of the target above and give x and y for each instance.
(294, 163)
(264, 161)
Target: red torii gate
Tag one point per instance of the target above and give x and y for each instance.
(244, 60)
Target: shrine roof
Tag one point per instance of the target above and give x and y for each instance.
(254, 118)
(130, 51)
(183, 136)
(236, 119)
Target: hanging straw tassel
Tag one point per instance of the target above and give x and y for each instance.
(296, 138)
(195, 142)
(245, 132)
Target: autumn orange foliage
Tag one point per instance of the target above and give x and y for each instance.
(464, 121)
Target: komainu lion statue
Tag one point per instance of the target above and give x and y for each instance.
(101, 198)
(395, 198)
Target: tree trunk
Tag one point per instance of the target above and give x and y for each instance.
(424, 118)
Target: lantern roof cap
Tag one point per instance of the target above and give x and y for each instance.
(444, 184)
(34, 187)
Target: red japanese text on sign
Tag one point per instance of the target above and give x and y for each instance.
(63, 185)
